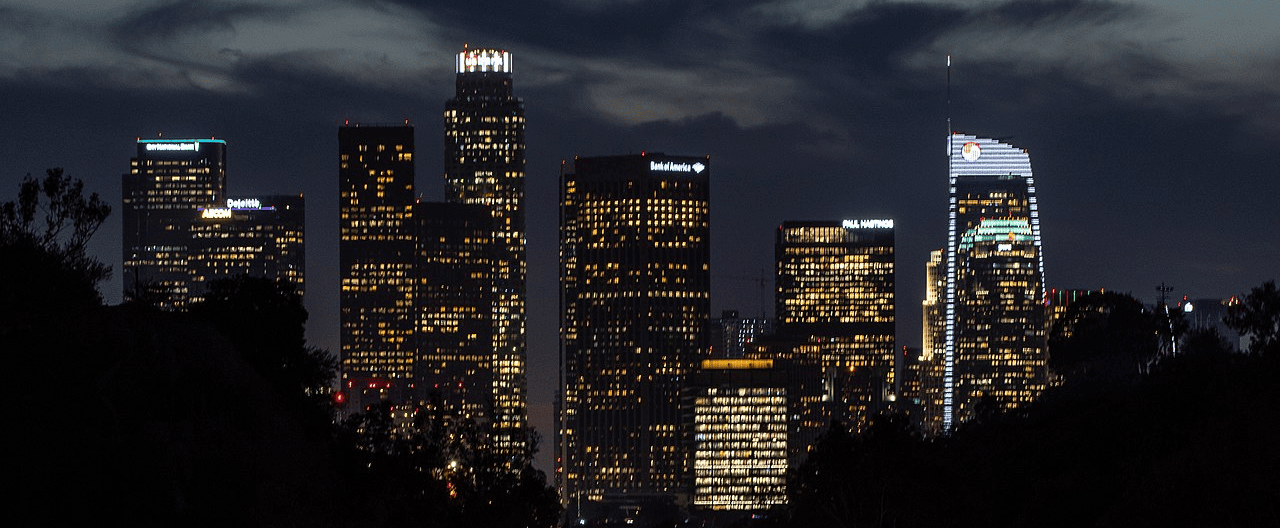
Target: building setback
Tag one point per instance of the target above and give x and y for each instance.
(635, 300)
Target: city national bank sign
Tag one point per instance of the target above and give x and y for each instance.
(675, 166)
(187, 147)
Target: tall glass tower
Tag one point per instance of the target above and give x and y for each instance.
(635, 300)
(835, 286)
(995, 297)
(376, 257)
(485, 165)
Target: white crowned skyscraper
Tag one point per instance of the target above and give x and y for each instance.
(484, 164)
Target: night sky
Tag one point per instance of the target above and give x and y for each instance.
(1153, 126)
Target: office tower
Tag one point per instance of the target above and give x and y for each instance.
(810, 392)
(1000, 336)
(835, 285)
(738, 435)
(376, 258)
(732, 334)
(257, 237)
(995, 295)
(168, 181)
(454, 273)
(635, 300)
(485, 165)
(932, 361)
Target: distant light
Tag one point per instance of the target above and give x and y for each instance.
(1186, 308)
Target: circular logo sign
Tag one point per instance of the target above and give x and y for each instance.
(971, 151)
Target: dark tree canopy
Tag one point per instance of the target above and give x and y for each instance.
(1258, 315)
(265, 321)
(1104, 339)
(43, 236)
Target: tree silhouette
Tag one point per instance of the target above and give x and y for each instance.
(1258, 315)
(265, 321)
(42, 237)
(1105, 340)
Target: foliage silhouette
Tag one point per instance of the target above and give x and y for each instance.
(1190, 442)
(44, 262)
(1258, 315)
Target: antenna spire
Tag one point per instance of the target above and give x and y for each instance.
(949, 129)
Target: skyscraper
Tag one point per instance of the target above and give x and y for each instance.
(181, 232)
(932, 361)
(995, 296)
(376, 260)
(635, 300)
(168, 181)
(453, 373)
(485, 165)
(258, 237)
(738, 428)
(835, 285)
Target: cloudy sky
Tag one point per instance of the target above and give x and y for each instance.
(1153, 126)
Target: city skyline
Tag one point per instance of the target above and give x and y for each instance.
(1158, 154)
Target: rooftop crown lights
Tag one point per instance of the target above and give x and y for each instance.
(484, 60)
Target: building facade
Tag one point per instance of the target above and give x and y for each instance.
(181, 231)
(376, 255)
(732, 334)
(995, 341)
(738, 432)
(835, 286)
(485, 165)
(453, 373)
(635, 300)
(168, 182)
(932, 360)
(257, 237)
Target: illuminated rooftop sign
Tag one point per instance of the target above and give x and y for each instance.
(215, 213)
(484, 60)
(675, 166)
(246, 203)
(190, 147)
(882, 223)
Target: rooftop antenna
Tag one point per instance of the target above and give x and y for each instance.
(1164, 291)
(1164, 305)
